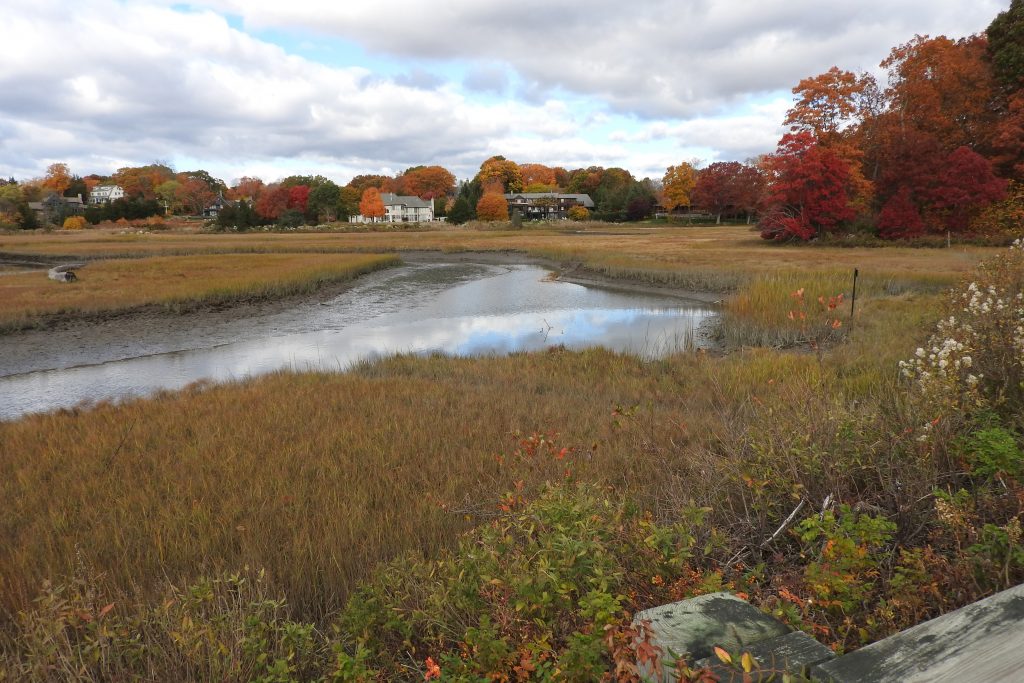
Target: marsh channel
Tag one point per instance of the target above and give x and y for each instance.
(458, 308)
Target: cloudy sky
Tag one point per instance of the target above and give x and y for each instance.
(337, 87)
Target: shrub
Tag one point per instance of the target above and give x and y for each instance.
(533, 590)
(579, 213)
(74, 223)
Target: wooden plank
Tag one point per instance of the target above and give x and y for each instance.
(793, 653)
(982, 642)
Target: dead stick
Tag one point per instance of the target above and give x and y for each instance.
(786, 523)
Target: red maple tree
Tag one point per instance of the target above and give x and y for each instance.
(809, 189)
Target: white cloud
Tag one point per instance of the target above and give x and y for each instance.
(137, 82)
(654, 58)
(104, 83)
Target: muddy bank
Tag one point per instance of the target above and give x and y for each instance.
(74, 338)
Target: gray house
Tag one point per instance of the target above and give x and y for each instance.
(55, 208)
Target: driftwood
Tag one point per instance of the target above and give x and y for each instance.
(64, 272)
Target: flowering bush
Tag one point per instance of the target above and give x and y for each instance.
(975, 358)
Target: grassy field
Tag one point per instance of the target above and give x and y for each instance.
(617, 249)
(174, 282)
(319, 478)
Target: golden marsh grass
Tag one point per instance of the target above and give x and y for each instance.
(317, 477)
(175, 282)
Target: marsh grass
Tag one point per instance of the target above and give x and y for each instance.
(319, 476)
(175, 283)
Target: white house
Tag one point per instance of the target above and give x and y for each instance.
(401, 209)
(104, 194)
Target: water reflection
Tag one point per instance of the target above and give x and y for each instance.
(460, 309)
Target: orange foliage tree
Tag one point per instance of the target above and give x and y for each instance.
(248, 188)
(943, 87)
(57, 178)
(428, 182)
(827, 103)
(537, 175)
(273, 201)
(370, 205)
(501, 170)
(193, 195)
(142, 181)
(492, 207)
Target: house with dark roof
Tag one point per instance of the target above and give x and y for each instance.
(55, 208)
(218, 205)
(401, 209)
(546, 205)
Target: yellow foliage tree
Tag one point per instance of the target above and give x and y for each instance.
(678, 184)
(492, 207)
(74, 223)
(578, 213)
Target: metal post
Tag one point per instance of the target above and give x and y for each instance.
(853, 297)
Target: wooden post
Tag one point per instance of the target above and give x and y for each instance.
(853, 297)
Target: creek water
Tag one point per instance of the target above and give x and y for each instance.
(460, 309)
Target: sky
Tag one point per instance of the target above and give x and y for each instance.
(273, 88)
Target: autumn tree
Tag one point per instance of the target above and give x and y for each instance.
(826, 104)
(216, 185)
(361, 182)
(428, 182)
(141, 181)
(943, 87)
(501, 170)
(1008, 139)
(57, 178)
(965, 185)
(677, 185)
(492, 205)
(193, 195)
(578, 213)
(273, 201)
(247, 187)
(727, 187)
(900, 217)
(584, 180)
(298, 197)
(809, 189)
(371, 205)
(538, 175)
